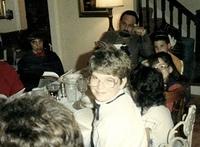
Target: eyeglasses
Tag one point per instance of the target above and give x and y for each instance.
(161, 67)
(108, 82)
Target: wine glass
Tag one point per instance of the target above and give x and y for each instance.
(82, 86)
(53, 89)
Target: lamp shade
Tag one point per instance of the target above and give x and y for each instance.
(108, 3)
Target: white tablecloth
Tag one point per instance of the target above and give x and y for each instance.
(84, 117)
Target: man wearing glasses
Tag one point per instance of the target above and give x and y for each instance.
(117, 121)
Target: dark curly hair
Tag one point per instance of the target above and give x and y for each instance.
(149, 87)
(174, 75)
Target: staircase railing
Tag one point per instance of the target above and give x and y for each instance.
(181, 11)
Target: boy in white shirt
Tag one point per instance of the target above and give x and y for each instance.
(117, 121)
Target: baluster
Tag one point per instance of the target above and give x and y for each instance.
(139, 2)
(180, 21)
(188, 22)
(163, 10)
(155, 14)
(171, 9)
(197, 51)
(147, 16)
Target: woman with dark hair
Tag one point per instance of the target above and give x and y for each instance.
(175, 83)
(36, 61)
(165, 60)
(149, 87)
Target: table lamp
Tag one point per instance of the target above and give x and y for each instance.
(109, 4)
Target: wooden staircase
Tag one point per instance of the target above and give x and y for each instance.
(148, 17)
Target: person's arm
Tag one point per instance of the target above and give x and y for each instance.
(53, 63)
(174, 94)
(16, 84)
(146, 48)
(109, 37)
(30, 65)
(145, 44)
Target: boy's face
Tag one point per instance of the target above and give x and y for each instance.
(105, 87)
(161, 46)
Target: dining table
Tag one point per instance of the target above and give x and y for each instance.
(84, 117)
(81, 106)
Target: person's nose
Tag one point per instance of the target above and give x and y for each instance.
(37, 43)
(100, 85)
(126, 27)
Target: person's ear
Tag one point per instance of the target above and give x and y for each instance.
(123, 83)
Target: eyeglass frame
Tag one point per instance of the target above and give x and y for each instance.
(114, 82)
(161, 67)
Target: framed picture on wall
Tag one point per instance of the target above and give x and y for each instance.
(2, 8)
(87, 8)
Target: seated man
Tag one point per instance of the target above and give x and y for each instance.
(133, 39)
(36, 61)
(9, 79)
(37, 122)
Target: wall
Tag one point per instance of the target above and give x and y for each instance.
(72, 35)
(192, 5)
(19, 14)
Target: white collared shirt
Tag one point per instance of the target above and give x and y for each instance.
(119, 124)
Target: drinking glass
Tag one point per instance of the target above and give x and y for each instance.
(53, 89)
(82, 86)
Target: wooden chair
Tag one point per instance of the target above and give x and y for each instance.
(187, 124)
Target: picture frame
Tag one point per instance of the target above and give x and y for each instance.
(87, 8)
(2, 9)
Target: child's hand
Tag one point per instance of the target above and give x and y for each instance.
(172, 41)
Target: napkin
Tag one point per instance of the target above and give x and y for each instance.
(84, 117)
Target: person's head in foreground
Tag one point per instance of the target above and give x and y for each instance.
(37, 122)
(149, 86)
(109, 68)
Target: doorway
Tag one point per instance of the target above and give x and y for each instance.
(38, 18)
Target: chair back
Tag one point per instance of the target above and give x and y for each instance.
(187, 123)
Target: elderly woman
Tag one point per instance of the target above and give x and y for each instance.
(117, 121)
